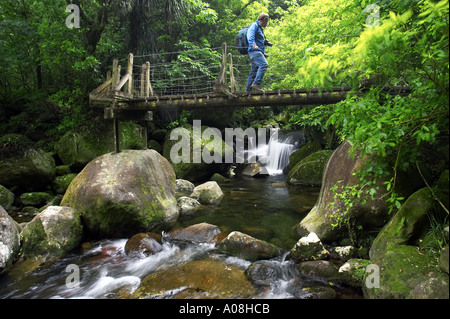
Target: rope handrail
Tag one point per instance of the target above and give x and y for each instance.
(198, 70)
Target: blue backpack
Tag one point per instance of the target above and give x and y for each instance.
(241, 40)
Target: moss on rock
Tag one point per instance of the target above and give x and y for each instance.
(309, 171)
(120, 194)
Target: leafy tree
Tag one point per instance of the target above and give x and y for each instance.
(408, 48)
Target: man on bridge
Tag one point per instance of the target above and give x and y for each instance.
(256, 52)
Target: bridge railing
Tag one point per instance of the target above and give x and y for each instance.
(188, 72)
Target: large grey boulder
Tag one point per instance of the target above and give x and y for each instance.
(121, 194)
(339, 174)
(9, 240)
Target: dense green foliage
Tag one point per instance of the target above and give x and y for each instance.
(48, 69)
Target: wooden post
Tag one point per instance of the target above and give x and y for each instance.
(143, 81)
(108, 77)
(221, 82)
(129, 88)
(116, 134)
(224, 63)
(232, 78)
(115, 73)
(148, 85)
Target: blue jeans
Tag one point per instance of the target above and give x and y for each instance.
(258, 68)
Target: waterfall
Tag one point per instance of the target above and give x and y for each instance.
(275, 154)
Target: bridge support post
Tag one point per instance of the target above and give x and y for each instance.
(116, 135)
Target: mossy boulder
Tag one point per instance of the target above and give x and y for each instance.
(309, 171)
(201, 278)
(23, 165)
(308, 248)
(78, 149)
(320, 270)
(406, 225)
(406, 273)
(192, 169)
(121, 194)
(9, 240)
(52, 233)
(208, 193)
(304, 151)
(6, 198)
(35, 199)
(352, 272)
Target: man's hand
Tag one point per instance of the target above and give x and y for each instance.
(255, 47)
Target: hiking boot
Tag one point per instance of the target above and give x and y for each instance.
(256, 87)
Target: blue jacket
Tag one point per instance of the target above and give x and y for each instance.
(255, 35)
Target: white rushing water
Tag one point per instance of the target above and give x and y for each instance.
(106, 269)
(275, 154)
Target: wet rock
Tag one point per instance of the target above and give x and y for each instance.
(263, 273)
(208, 193)
(9, 240)
(321, 270)
(211, 278)
(247, 247)
(318, 292)
(352, 272)
(187, 205)
(255, 170)
(143, 244)
(198, 233)
(121, 194)
(308, 248)
(52, 233)
(183, 188)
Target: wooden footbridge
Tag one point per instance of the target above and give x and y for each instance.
(201, 84)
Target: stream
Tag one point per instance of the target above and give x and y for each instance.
(261, 207)
(266, 208)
